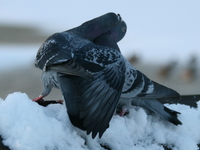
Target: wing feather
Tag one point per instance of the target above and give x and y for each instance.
(97, 98)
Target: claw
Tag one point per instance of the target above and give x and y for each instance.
(39, 98)
(60, 101)
(123, 112)
(44, 103)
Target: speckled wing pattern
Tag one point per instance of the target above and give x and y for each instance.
(97, 98)
(139, 85)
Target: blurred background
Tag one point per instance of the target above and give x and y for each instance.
(162, 39)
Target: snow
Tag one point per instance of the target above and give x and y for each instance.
(25, 125)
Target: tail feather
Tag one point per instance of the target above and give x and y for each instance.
(153, 105)
(173, 116)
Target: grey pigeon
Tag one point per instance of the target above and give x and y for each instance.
(139, 90)
(90, 76)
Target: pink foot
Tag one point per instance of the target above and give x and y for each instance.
(60, 101)
(44, 103)
(122, 113)
(39, 98)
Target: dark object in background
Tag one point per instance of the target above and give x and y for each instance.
(190, 72)
(21, 34)
(189, 100)
(134, 59)
(166, 71)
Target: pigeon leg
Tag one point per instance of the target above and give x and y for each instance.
(123, 112)
(39, 98)
(44, 103)
(60, 101)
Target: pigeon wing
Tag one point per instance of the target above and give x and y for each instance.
(96, 99)
(71, 67)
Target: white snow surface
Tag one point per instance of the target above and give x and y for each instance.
(25, 125)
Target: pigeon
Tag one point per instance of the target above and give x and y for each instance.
(138, 89)
(89, 76)
(86, 64)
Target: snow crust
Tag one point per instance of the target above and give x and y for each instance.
(25, 125)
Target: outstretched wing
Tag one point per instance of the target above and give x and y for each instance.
(96, 99)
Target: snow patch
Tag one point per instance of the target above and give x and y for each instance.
(25, 125)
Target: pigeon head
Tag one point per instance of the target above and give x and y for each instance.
(118, 31)
(114, 35)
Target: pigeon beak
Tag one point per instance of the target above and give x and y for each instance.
(119, 17)
(123, 29)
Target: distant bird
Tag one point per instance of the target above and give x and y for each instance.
(190, 73)
(134, 59)
(86, 64)
(166, 71)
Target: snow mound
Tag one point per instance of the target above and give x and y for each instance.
(25, 125)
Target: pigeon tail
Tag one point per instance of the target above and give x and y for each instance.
(153, 105)
(163, 91)
(152, 89)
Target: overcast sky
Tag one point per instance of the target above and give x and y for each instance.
(157, 30)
